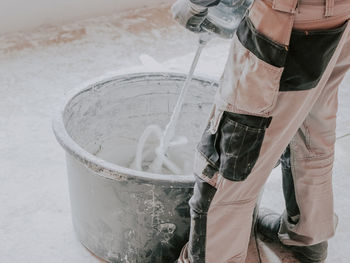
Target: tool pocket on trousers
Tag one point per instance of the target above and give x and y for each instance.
(235, 147)
(251, 81)
(241, 140)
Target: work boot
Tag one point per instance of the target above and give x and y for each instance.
(268, 224)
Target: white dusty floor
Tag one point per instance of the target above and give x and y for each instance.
(37, 71)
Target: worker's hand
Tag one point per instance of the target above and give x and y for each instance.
(189, 15)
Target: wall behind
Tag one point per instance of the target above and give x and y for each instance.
(28, 14)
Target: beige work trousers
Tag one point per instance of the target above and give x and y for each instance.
(276, 92)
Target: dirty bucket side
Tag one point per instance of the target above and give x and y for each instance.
(129, 221)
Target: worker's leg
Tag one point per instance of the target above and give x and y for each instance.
(239, 150)
(307, 173)
(229, 215)
(311, 148)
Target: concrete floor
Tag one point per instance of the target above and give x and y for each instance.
(37, 71)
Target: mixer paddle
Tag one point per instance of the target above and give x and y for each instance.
(166, 137)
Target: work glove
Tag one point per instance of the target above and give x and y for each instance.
(189, 15)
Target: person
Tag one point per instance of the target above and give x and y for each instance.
(277, 99)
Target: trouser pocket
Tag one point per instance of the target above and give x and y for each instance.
(252, 75)
(304, 65)
(235, 146)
